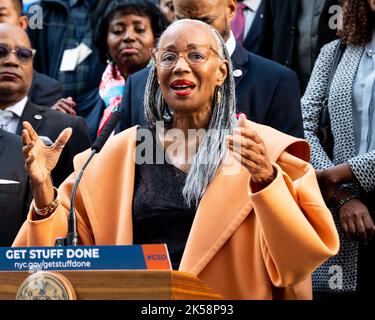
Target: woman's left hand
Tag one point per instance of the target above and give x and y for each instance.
(249, 149)
(356, 221)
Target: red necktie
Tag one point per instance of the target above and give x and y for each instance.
(238, 23)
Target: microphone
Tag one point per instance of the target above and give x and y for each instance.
(72, 236)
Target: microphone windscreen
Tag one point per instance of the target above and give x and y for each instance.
(106, 131)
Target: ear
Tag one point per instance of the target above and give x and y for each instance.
(222, 72)
(231, 9)
(23, 22)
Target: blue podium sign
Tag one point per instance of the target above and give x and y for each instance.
(136, 257)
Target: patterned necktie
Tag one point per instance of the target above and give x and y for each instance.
(5, 117)
(238, 23)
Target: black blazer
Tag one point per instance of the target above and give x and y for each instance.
(280, 23)
(44, 90)
(14, 198)
(266, 92)
(252, 41)
(50, 123)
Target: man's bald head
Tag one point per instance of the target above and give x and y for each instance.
(217, 13)
(7, 29)
(15, 74)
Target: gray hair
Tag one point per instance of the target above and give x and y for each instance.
(212, 148)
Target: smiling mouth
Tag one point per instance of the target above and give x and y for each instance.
(182, 88)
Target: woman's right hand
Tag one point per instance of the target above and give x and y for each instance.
(356, 221)
(41, 159)
(327, 187)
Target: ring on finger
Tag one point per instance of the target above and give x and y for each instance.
(59, 146)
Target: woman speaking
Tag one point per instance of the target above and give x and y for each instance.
(238, 205)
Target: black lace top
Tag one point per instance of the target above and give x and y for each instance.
(160, 214)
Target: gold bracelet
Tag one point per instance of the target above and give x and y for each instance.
(50, 208)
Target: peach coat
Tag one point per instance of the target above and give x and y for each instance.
(244, 245)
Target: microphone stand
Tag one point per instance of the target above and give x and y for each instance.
(72, 237)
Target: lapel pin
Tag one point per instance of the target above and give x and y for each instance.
(38, 117)
(237, 73)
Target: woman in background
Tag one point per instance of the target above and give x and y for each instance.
(347, 180)
(124, 32)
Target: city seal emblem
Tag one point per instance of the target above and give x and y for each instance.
(46, 286)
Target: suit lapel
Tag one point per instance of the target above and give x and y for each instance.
(33, 114)
(239, 60)
(255, 30)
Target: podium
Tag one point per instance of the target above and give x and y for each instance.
(120, 285)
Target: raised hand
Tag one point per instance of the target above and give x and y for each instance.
(249, 149)
(41, 159)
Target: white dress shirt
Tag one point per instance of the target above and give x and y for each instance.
(16, 113)
(231, 44)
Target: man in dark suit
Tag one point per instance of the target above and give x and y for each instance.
(266, 92)
(14, 191)
(44, 90)
(67, 25)
(15, 79)
(247, 24)
(294, 31)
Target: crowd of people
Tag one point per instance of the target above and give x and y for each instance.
(245, 142)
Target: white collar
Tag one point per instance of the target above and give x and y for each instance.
(18, 107)
(231, 44)
(253, 5)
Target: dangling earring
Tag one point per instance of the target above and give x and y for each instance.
(218, 97)
(108, 59)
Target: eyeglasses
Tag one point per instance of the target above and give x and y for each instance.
(24, 55)
(194, 56)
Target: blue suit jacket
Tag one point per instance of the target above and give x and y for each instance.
(266, 92)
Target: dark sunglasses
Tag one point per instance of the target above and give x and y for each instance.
(23, 54)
